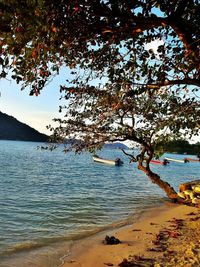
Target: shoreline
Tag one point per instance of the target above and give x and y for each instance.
(55, 254)
(167, 230)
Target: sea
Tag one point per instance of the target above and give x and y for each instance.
(49, 200)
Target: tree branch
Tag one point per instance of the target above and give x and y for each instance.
(144, 87)
(179, 27)
(137, 24)
(175, 82)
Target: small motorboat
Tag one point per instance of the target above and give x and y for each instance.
(192, 159)
(116, 162)
(161, 162)
(177, 160)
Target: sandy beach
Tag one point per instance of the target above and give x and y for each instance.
(164, 236)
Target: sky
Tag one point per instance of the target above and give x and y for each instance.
(37, 112)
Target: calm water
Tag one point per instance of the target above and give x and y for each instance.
(49, 199)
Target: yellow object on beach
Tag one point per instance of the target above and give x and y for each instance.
(196, 189)
(181, 195)
(188, 194)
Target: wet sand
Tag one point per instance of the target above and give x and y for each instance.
(164, 236)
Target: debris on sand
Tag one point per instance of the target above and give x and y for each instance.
(111, 240)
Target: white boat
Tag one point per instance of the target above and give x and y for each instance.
(177, 160)
(193, 160)
(116, 162)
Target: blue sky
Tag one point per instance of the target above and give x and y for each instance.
(37, 112)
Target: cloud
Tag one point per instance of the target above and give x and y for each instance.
(154, 45)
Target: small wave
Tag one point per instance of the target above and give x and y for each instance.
(26, 245)
(20, 247)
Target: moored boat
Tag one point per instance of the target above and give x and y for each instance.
(192, 159)
(177, 160)
(116, 162)
(161, 162)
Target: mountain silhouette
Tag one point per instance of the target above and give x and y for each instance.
(12, 129)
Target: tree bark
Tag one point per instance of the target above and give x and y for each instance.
(155, 178)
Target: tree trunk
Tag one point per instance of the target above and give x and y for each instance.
(155, 178)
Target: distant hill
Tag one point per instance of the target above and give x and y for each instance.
(12, 129)
(182, 147)
(116, 145)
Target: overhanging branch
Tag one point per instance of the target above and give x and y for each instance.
(175, 82)
(156, 86)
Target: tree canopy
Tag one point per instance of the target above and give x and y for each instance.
(181, 147)
(134, 67)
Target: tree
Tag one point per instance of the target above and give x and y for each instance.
(120, 88)
(181, 147)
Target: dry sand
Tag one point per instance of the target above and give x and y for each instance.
(165, 236)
